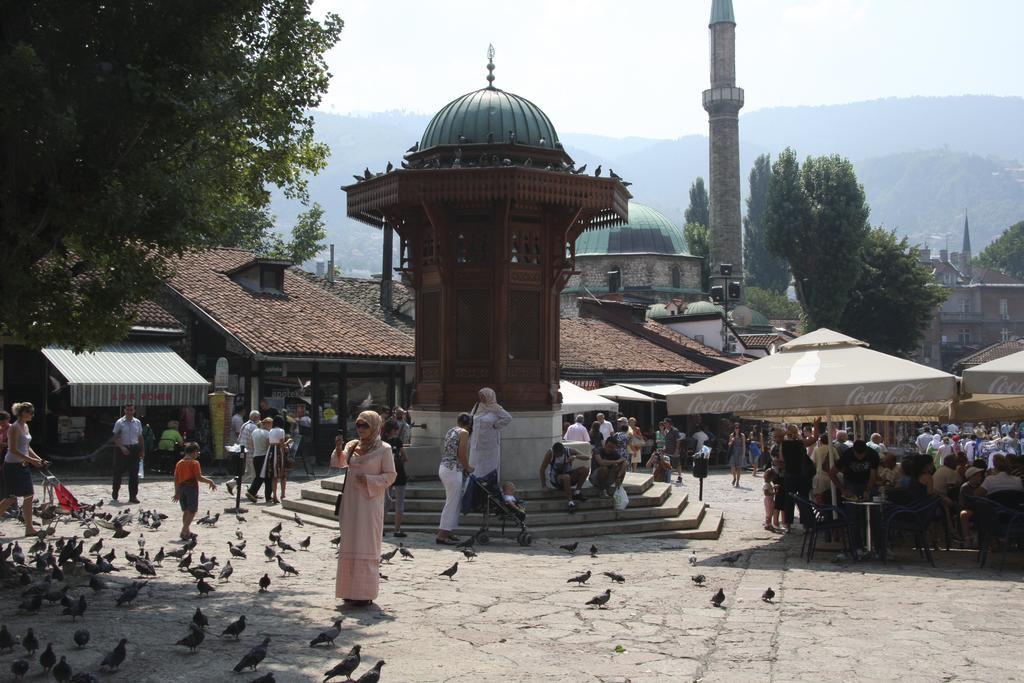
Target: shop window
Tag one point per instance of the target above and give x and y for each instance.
(524, 325)
(472, 324)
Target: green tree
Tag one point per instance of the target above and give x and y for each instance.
(817, 219)
(134, 131)
(895, 297)
(306, 242)
(762, 268)
(698, 238)
(699, 210)
(1006, 253)
(772, 304)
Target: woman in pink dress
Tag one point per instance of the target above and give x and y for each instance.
(371, 470)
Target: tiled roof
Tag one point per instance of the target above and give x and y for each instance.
(990, 276)
(683, 340)
(997, 350)
(594, 345)
(152, 314)
(365, 294)
(307, 320)
(758, 341)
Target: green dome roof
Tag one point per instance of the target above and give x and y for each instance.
(657, 311)
(647, 232)
(702, 308)
(758, 319)
(489, 115)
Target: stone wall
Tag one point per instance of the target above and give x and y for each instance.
(638, 270)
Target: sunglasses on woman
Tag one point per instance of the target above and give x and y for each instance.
(362, 425)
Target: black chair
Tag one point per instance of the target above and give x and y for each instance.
(914, 519)
(994, 520)
(820, 518)
(1011, 499)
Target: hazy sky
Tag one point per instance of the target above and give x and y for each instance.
(638, 68)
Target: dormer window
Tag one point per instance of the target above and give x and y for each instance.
(272, 279)
(262, 275)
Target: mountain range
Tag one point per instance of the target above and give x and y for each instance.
(922, 161)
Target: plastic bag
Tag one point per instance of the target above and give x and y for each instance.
(142, 472)
(620, 501)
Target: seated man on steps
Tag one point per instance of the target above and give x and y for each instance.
(608, 468)
(560, 471)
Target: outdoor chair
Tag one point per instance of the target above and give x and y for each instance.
(821, 518)
(995, 521)
(913, 519)
(1011, 499)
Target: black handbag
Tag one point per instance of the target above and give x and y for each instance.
(337, 500)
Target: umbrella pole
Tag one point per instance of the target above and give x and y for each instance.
(832, 484)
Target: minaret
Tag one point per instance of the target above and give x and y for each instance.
(723, 101)
(965, 252)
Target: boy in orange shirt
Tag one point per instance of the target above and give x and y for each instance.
(187, 476)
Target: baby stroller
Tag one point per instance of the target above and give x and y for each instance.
(490, 501)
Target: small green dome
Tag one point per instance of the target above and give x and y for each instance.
(759, 319)
(702, 308)
(489, 115)
(657, 311)
(647, 232)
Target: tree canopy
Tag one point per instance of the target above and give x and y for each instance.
(698, 237)
(137, 131)
(772, 304)
(817, 219)
(1006, 253)
(699, 210)
(895, 297)
(763, 268)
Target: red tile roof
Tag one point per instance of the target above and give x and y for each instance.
(306, 321)
(997, 350)
(758, 341)
(689, 342)
(151, 314)
(598, 346)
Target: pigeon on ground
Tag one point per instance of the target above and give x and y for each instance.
(19, 667)
(200, 619)
(30, 643)
(270, 553)
(235, 628)
(731, 559)
(693, 558)
(81, 638)
(297, 519)
(159, 558)
(96, 583)
(62, 670)
(373, 675)
(195, 637)
(346, 666)
(285, 546)
(617, 578)
(593, 551)
(252, 659)
(184, 562)
(328, 635)
(48, 658)
(116, 656)
(699, 579)
(31, 604)
(121, 532)
(581, 579)
(84, 677)
(336, 540)
(718, 598)
(145, 567)
(226, 572)
(469, 554)
(601, 600)
(76, 609)
(450, 572)
(277, 528)
(96, 547)
(386, 557)
(265, 678)
(6, 639)
(236, 552)
(286, 568)
(200, 572)
(570, 547)
(129, 593)
(204, 588)
(304, 544)
(404, 552)
(239, 535)
(768, 595)
(264, 583)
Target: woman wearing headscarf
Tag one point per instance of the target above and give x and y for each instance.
(370, 471)
(489, 419)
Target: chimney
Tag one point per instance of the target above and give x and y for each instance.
(926, 254)
(330, 266)
(386, 269)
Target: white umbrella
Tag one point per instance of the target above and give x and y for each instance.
(823, 372)
(623, 394)
(578, 400)
(1001, 376)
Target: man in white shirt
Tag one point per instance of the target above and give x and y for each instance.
(946, 476)
(604, 427)
(701, 438)
(577, 431)
(923, 440)
(260, 446)
(876, 443)
(129, 451)
(245, 441)
(952, 428)
(1001, 479)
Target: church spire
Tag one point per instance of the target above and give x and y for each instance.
(965, 252)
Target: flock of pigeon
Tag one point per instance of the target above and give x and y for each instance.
(65, 571)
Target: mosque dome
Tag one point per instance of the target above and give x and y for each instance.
(646, 232)
(657, 311)
(702, 308)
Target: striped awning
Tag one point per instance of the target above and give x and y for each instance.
(145, 374)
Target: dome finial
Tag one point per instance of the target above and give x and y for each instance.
(490, 66)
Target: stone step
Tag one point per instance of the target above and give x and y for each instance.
(635, 483)
(655, 495)
(674, 509)
(709, 529)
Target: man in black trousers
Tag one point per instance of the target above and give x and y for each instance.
(129, 451)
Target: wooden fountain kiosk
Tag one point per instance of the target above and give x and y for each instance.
(488, 207)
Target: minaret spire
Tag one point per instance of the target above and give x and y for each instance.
(490, 67)
(965, 251)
